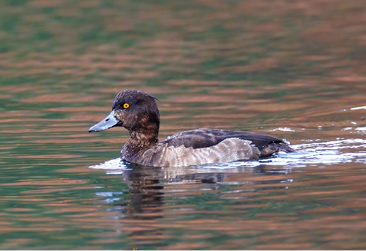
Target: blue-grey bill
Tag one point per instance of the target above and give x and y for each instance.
(109, 122)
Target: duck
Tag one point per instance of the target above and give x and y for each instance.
(138, 112)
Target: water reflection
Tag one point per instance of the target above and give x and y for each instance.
(145, 193)
(155, 195)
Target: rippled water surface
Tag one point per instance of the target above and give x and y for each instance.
(294, 70)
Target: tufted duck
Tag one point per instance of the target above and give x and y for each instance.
(138, 113)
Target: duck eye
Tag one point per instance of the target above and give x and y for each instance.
(126, 105)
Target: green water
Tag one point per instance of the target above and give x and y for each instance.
(293, 70)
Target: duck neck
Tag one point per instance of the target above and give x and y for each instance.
(139, 142)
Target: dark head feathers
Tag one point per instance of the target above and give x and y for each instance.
(131, 97)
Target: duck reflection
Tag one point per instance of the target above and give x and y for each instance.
(159, 193)
(148, 185)
(145, 192)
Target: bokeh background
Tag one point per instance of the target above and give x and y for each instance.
(291, 69)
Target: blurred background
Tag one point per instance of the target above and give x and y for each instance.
(290, 69)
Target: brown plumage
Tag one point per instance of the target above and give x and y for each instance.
(139, 114)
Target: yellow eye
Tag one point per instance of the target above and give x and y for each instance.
(126, 105)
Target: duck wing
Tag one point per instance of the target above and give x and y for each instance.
(202, 138)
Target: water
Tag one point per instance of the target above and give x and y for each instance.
(290, 70)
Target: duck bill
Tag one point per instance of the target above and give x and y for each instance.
(109, 122)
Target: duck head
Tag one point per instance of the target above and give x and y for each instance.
(134, 110)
